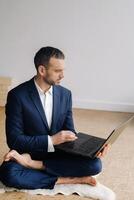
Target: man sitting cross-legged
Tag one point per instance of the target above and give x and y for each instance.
(39, 117)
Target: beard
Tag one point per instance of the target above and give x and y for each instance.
(49, 81)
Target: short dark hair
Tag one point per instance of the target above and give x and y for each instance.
(43, 56)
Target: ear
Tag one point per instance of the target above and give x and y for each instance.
(41, 70)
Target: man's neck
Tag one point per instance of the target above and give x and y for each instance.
(44, 86)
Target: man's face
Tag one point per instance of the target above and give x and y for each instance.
(54, 71)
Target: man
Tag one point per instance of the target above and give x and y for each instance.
(38, 117)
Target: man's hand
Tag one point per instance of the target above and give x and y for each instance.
(104, 151)
(63, 136)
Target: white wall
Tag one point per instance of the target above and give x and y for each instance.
(97, 37)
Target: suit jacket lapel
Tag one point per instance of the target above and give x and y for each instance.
(56, 106)
(37, 102)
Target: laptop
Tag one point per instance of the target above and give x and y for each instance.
(89, 145)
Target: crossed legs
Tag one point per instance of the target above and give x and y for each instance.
(26, 161)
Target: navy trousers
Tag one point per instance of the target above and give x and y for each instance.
(15, 175)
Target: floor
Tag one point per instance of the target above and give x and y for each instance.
(118, 165)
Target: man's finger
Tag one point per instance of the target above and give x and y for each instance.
(99, 155)
(70, 139)
(104, 151)
(69, 136)
(106, 148)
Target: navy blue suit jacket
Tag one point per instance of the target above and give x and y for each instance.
(26, 124)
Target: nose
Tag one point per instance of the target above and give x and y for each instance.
(61, 75)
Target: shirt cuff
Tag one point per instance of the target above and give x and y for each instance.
(50, 145)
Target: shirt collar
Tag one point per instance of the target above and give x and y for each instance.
(41, 92)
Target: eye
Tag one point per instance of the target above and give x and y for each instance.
(58, 71)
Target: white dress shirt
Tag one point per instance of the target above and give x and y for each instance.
(47, 103)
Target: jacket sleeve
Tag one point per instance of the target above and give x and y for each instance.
(68, 123)
(16, 137)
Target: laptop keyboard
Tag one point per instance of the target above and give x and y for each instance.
(89, 145)
(84, 144)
